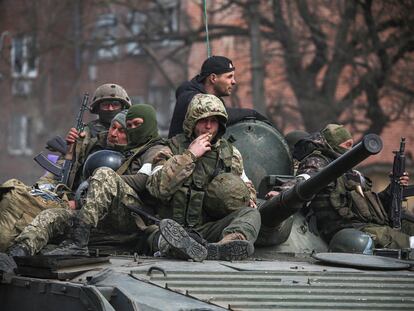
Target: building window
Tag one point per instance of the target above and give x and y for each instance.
(170, 18)
(24, 57)
(136, 25)
(22, 87)
(165, 22)
(105, 36)
(19, 135)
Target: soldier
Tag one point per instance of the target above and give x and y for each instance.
(107, 195)
(20, 203)
(217, 77)
(350, 202)
(200, 179)
(108, 100)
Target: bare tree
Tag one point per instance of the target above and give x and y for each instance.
(345, 61)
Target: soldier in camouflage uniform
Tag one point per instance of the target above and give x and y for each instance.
(199, 177)
(350, 202)
(108, 100)
(20, 203)
(107, 195)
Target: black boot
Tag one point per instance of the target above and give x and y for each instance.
(174, 241)
(78, 245)
(233, 246)
(18, 250)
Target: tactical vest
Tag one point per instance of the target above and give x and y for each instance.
(187, 202)
(135, 153)
(347, 201)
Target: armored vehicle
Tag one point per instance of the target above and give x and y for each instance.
(297, 274)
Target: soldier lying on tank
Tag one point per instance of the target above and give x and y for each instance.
(20, 203)
(350, 202)
(108, 100)
(200, 179)
(107, 194)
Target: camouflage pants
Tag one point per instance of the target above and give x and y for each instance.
(387, 237)
(107, 195)
(105, 202)
(46, 226)
(18, 208)
(245, 220)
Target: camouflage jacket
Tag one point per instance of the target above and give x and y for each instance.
(179, 179)
(138, 165)
(171, 171)
(347, 202)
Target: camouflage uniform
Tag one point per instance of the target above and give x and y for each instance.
(350, 203)
(20, 203)
(108, 194)
(179, 180)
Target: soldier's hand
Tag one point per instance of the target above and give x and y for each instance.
(252, 204)
(200, 145)
(271, 194)
(404, 179)
(72, 204)
(73, 135)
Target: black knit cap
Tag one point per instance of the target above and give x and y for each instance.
(215, 64)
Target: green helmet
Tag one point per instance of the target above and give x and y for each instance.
(351, 240)
(225, 194)
(110, 91)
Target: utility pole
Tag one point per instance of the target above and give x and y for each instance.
(256, 58)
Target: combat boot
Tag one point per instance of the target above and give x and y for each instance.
(175, 242)
(233, 246)
(78, 245)
(18, 250)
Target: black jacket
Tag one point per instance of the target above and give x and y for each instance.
(185, 93)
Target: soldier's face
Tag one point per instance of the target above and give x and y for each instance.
(223, 84)
(110, 105)
(134, 123)
(117, 134)
(347, 144)
(207, 125)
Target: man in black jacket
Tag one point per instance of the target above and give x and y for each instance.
(216, 78)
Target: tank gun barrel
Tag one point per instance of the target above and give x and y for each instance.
(279, 208)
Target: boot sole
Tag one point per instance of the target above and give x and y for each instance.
(232, 250)
(178, 238)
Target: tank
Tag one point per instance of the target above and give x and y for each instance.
(270, 154)
(296, 274)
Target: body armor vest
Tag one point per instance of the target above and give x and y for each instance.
(348, 201)
(187, 202)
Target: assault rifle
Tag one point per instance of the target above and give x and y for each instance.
(70, 154)
(396, 189)
(58, 144)
(55, 144)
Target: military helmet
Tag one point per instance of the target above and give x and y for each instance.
(102, 158)
(110, 91)
(225, 194)
(351, 240)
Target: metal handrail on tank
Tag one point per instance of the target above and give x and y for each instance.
(274, 211)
